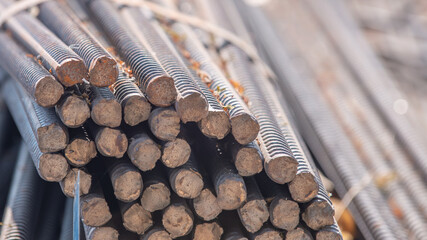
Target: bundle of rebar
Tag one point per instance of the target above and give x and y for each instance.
(170, 131)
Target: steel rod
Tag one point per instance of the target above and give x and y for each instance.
(102, 68)
(36, 80)
(153, 81)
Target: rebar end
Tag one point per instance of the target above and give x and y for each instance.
(103, 72)
(48, 91)
(244, 128)
(161, 91)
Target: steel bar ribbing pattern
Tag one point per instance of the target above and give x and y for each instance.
(25, 194)
(36, 80)
(217, 123)
(373, 78)
(316, 112)
(191, 104)
(65, 64)
(51, 167)
(105, 109)
(135, 106)
(101, 65)
(279, 162)
(244, 125)
(153, 81)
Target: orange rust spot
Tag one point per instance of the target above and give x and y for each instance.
(239, 88)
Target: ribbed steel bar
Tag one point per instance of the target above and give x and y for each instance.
(279, 162)
(178, 219)
(65, 64)
(186, 180)
(36, 80)
(52, 135)
(353, 117)
(122, 173)
(72, 109)
(135, 218)
(101, 65)
(153, 80)
(244, 125)
(81, 149)
(105, 109)
(21, 210)
(191, 104)
(50, 213)
(68, 183)
(217, 123)
(247, 159)
(135, 106)
(357, 133)
(156, 193)
(301, 93)
(51, 167)
(229, 185)
(254, 212)
(374, 79)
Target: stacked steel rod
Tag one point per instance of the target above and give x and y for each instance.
(175, 133)
(349, 110)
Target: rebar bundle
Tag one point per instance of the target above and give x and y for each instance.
(173, 129)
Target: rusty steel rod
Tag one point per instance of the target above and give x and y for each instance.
(190, 104)
(136, 108)
(247, 159)
(126, 179)
(177, 218)
(65, 64)
(244, 125)
(100, 233)
(102, 68)
(105, 109)
(73, 109)
(164, 123)
(284, 211)
(51, 167)
(186, 180)
(81, 149)
(51, 135)
(208, 231)
(94, 209)
(36, 80)
(156, 193)
(68, 183)
(135, 217)
(206, 205)
(142, 151)
(229, 185)
(254, 212)
(110, 142)
(153, 80)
